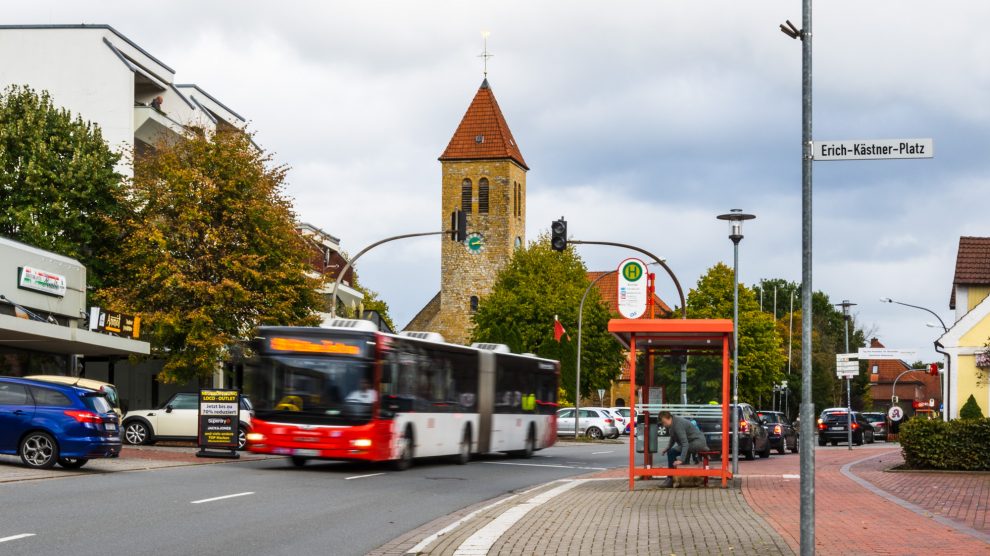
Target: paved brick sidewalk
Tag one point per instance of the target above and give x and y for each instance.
(961, 497)
(602, 518)
(849, 519)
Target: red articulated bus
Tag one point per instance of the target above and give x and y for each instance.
(350, 392)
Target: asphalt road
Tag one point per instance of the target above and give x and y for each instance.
(323, 508)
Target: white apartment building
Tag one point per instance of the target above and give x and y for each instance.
(97, 73)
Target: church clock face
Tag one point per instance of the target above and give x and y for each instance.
(475, 243)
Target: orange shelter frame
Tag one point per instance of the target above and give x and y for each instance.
(690, 336)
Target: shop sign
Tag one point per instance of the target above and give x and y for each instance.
(35, 279)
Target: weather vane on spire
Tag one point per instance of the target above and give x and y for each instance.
(484, 53)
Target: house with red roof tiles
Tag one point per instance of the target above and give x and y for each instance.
(966, 340)
(915, 388)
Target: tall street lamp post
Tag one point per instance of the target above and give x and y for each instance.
(946, 384)
(735, 218)
(846, 304)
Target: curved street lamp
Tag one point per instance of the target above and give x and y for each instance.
(947, 383)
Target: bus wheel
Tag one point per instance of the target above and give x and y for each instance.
(299, 461)
(464, 454)
(530, 444)
(406, 455)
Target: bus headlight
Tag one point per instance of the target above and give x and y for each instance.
(361, 443)
(255, 436)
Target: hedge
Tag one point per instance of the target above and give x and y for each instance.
(962, 444)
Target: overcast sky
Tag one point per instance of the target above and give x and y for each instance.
(641, 121)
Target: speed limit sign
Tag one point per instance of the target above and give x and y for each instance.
(895, 413)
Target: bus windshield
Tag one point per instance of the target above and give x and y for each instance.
(310, 389)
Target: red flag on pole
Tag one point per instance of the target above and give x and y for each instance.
(558, 330)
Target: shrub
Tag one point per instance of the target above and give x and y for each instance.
(971, 409)
(963, 444)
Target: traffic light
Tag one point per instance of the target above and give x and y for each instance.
(458, 226)
(558, 234)
(933, 369)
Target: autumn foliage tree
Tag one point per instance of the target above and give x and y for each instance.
(211, 251)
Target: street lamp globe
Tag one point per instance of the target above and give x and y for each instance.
(735, 218)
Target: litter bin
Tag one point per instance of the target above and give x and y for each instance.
(651, 436)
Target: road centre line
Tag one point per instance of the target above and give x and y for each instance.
(15, 537)
(221, 497)
(431, 538)
(483, 539)
(544, 465)
(363, 476)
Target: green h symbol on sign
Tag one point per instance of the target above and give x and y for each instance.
(632, 271)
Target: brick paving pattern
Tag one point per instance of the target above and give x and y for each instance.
(849, 519)
(962, 497)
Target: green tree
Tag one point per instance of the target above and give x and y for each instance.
(211, 251)
(372, 302)
(59, 187)
(970, 409)
(537, 284)
(761, 354)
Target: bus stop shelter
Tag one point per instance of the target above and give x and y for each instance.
(675, 336)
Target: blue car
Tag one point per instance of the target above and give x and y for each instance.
(46, 423)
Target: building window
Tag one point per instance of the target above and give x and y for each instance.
(467, 195)
(474, 304)
(876, 369)
(483, 195)
(518, 242)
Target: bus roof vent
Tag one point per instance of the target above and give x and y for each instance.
(428, 336)
(350, 324)
(498, 348)
(530, 355)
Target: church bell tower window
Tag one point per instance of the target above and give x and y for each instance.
(467, 195)
(483, 195)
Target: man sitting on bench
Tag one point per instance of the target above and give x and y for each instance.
(688, 438)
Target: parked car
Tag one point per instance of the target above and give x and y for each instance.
(113, 397)
(627, 418)
(46, 423)
(833, 427)
(595, 423)
(781, 433)
(879, 422)
(753, 438)
(176, 419)
(620, 421)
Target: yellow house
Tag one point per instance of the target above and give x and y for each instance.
(968, 336)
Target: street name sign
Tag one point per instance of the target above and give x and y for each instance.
(888, 353)
(873, 149)
(632, 288)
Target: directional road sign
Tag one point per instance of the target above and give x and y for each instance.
(873, 149)
(888, 353)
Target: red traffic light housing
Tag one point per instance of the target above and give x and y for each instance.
(933, 369)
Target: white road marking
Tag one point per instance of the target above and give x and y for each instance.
(791, 476)
(221, 497)
(15, 537)
(430, 539)
(482, 541)
(362, 476)
(596, 453)
(544, 465)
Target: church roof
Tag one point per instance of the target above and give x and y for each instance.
(483, 133)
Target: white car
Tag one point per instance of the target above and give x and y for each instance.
(176, 419)
(624, 418)
(596, 423)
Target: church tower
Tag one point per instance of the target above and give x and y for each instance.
(484, 175)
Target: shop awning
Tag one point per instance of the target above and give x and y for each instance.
(52, 338)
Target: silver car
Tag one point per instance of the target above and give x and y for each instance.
(596, 423)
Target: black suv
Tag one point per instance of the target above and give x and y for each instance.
(782, 435)
(753, 438)
(833, 427)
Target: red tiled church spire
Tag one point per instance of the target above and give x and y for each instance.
(483, 133)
